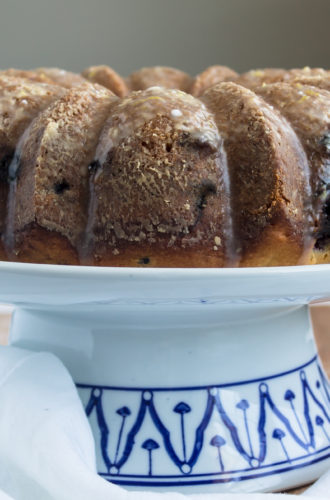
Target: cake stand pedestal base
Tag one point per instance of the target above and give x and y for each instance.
(207, 397)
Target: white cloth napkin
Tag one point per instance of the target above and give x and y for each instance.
(46, 445)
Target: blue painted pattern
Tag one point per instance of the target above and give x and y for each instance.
(198, 435)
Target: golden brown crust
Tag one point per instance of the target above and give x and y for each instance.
(321, 82)
(308, 72)
(211, 76)
(159, 184)
(269, 184)
(106, 76)
(257, 77)
(160, 76)
(51, 185)
(321, 256)
(156, 256)
(61, 77)
(20, 102)
(3, 213)
(308, 110)
(278, 247)
(40, 246)
(52, 76)
(31, 75)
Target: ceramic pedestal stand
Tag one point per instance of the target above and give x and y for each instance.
(193, 380)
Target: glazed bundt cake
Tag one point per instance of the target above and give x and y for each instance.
(165, 170)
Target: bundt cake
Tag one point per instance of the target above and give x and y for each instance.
(164, 170)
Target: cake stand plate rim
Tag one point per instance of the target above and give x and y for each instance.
(33, 284)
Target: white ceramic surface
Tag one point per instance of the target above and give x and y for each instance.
(193, 379)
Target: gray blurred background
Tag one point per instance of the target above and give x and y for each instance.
(190, 34)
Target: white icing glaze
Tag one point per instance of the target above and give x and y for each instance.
(187, 113)
(176, 113)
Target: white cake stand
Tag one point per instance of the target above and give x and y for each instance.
(196, 380)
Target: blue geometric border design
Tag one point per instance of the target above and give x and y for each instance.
(216, 480)
(300, 437)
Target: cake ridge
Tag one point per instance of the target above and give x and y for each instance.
(127, 125)
(249, 162)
